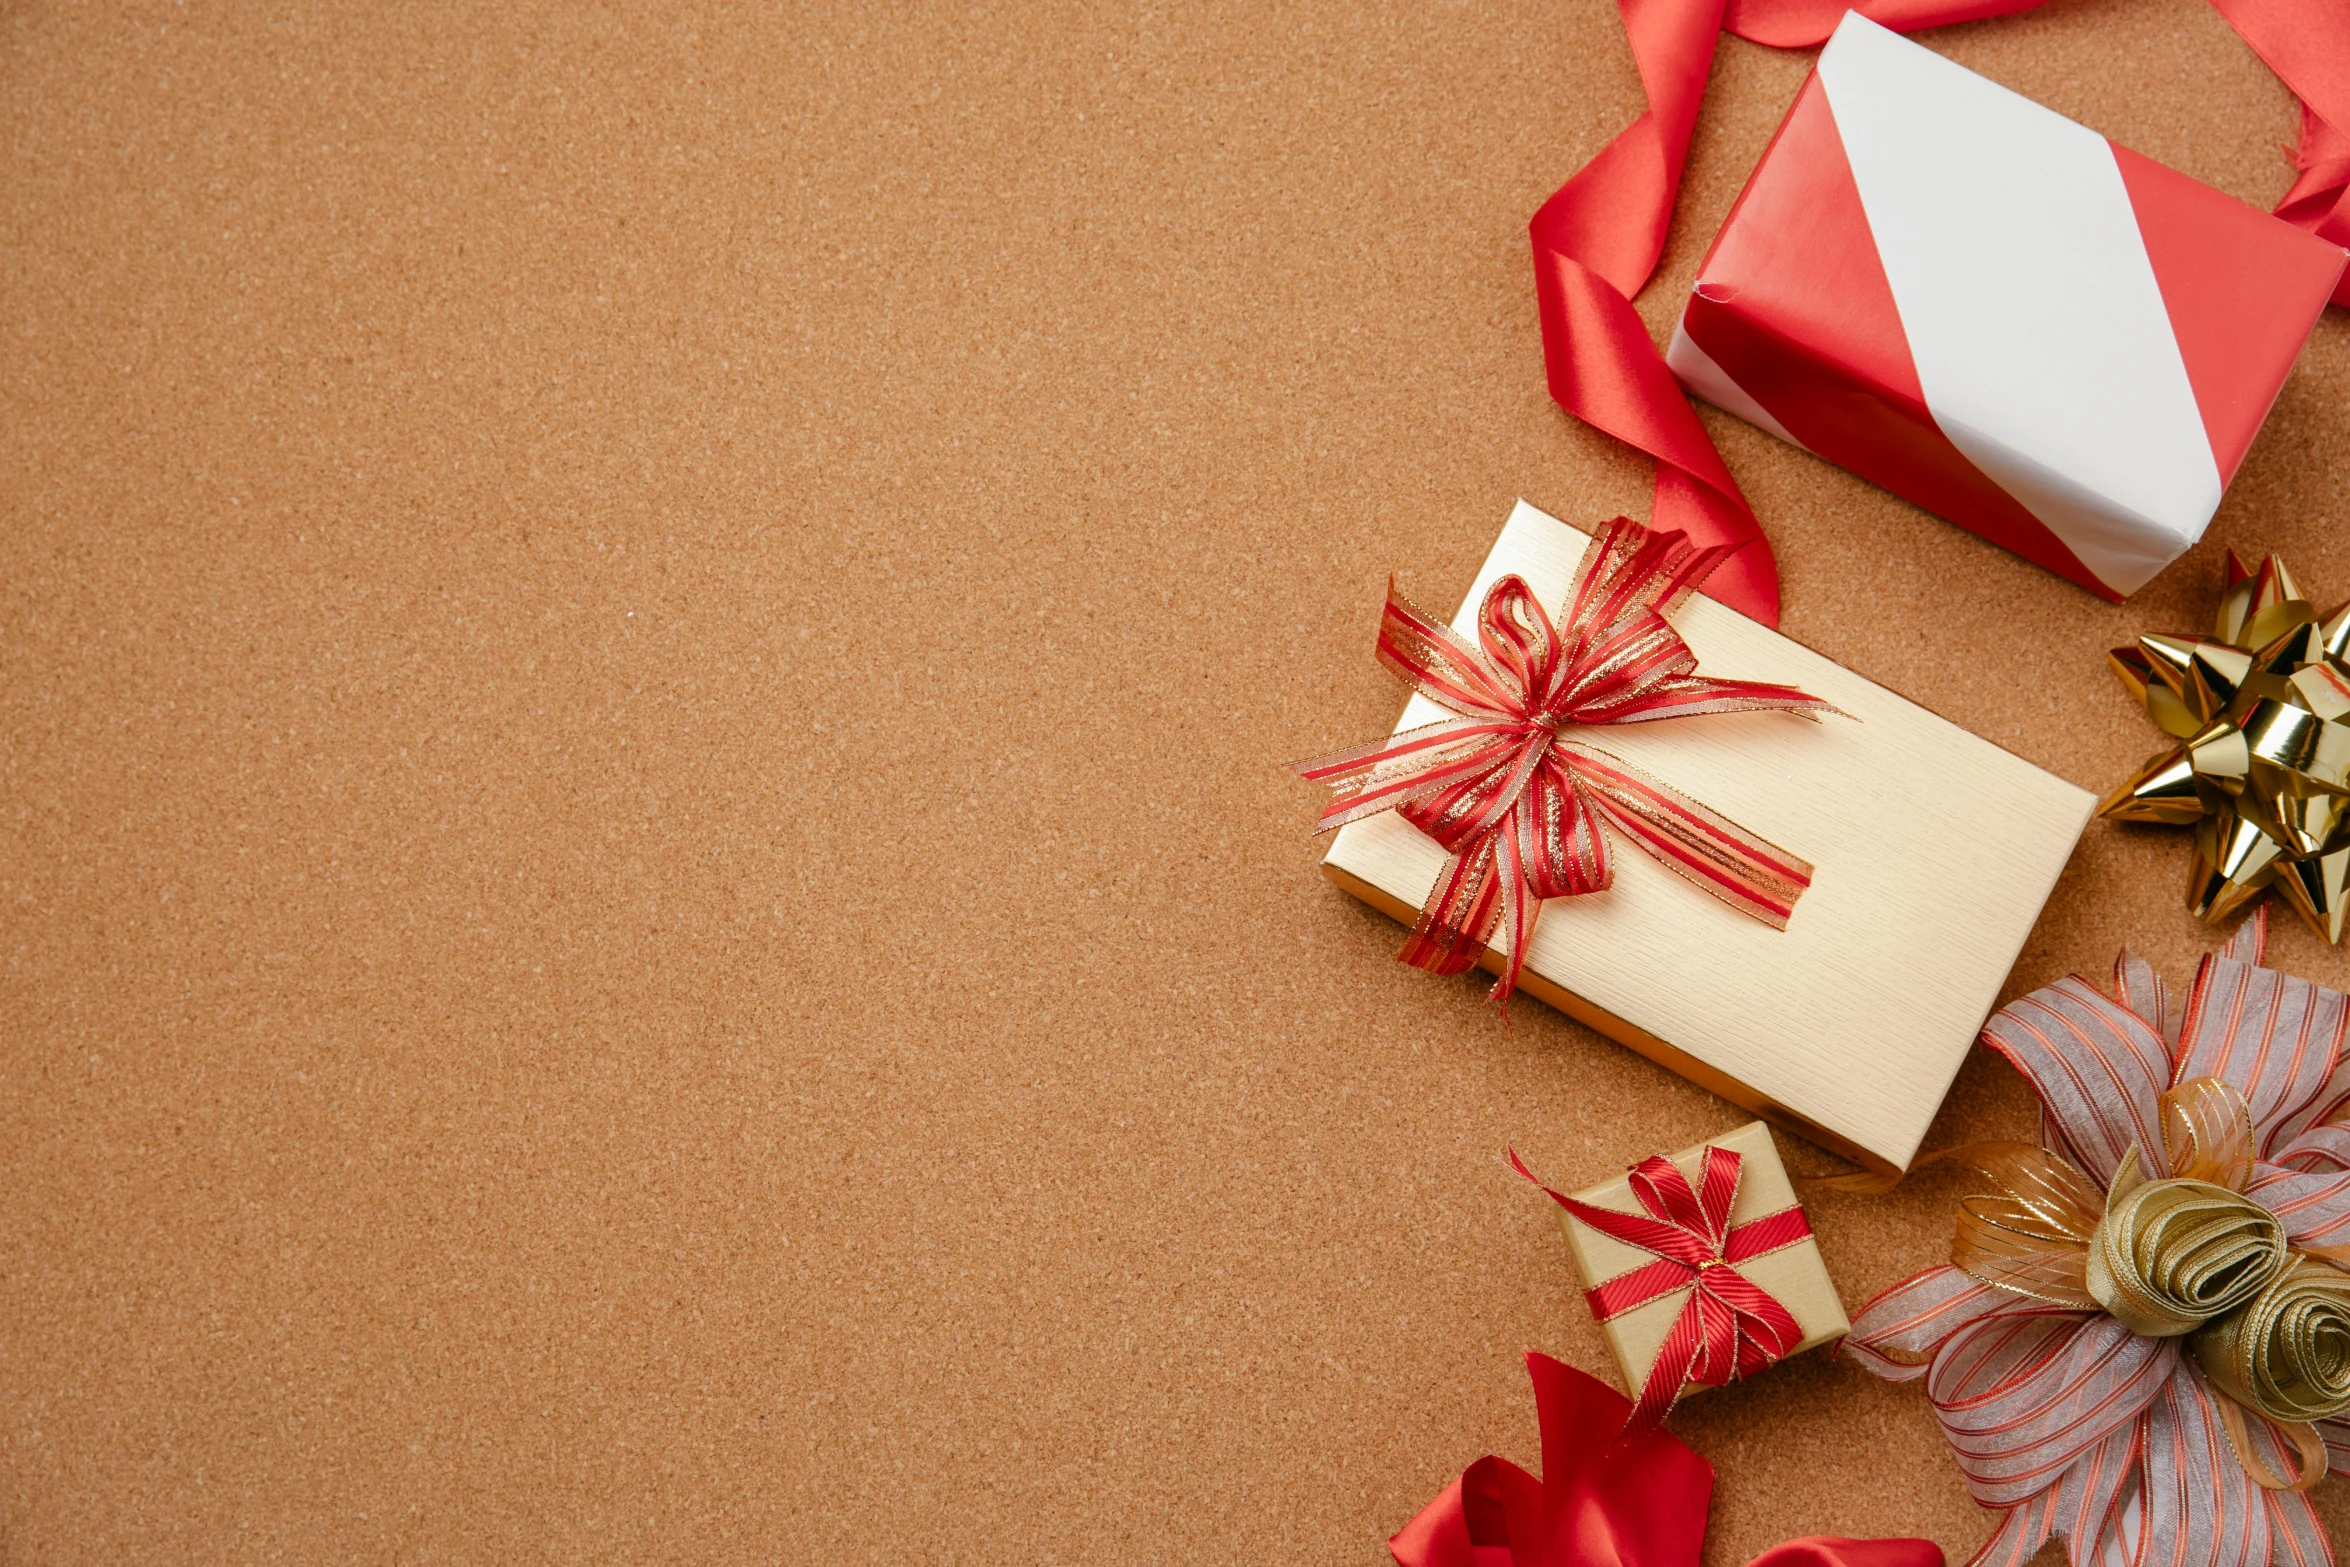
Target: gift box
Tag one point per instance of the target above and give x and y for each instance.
(1997, 313)
(1932, 851)
(1767, 1241)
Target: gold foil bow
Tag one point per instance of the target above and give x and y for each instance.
(2182, 1253)
(2261, 711)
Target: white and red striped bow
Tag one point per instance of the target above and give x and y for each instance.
(2062, 1416)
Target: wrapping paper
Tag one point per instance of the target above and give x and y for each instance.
(1999, 314)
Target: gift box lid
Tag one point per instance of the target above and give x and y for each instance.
(1998, 313)
(1933, 852)
(1795, 1276)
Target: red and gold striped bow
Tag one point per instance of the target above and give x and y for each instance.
(1507, 787)
(1730, 1326)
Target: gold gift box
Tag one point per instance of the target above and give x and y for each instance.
(1794, 1276)
(1933, 851)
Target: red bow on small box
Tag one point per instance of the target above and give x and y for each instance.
(1507, 787)
(1730, 1327)
(1605, 1499)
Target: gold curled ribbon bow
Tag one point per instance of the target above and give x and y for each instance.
(2182, 1253)
(2261, 713)
(2171, 1255)
(2288, 1353)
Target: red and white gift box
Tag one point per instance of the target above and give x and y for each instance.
(1997, 313)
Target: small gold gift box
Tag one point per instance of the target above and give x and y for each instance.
(1790, 1272)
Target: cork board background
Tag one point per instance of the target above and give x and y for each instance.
(652, 910)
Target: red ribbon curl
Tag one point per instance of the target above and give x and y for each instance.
(1596, 242)
(1730, 1327)
(1606, 1499)
(1509, 792)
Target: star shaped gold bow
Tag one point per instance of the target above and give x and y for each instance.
(2261, 710)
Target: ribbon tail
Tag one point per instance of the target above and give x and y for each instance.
(1825, 1551)
(2309, 49)
(1459, 916)
(1612, 215)
(1806, 24)
(1596, 244)
(1604, 369)
(1519, 907)
(1658, 1237)
(1468, 1517)
(1668, 1374)
(1773, 1333)
(1483, 887)
(1749, 873)
(1653, 1232)
(1406, 766)
(1718, 1348)
(1426, 744)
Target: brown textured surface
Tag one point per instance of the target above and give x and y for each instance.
(645, 659)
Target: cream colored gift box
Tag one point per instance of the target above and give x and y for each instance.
(1933, 851)
(1794, 1275)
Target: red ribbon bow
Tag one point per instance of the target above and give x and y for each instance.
(1605, 1499)
(1596, 242)
(1730, 1326)
(1506, 788)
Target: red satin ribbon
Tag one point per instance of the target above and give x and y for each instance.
(1606, 1498)
(1596, 242)
(1515, 799)
(2308, 46)
(1730, 1327)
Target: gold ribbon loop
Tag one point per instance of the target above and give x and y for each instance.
(2033, 1240)
(2207, 1131)
(2302, 1433)
(2287, 1354)
(2171, 1255)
